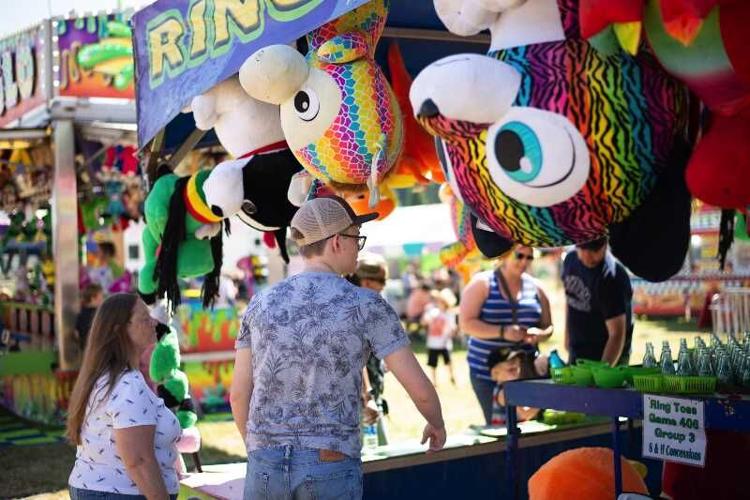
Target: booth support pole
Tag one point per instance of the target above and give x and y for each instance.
(65, 240)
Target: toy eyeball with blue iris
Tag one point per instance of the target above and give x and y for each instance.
(537, 157)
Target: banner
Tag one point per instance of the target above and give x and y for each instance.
(21, 75)
(184, 48)
(96, 57)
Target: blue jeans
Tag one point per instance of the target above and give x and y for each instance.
(483, 390)
(286, 472)
(81, 494)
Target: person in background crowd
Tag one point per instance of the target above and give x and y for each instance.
(91, 298)
(505, 364)
(440, 323)
(505, 307)
(599, 297)
(372, 273)
(301, 350)
(418, 299)
(108, 269)
(125, 436)
(227, 292)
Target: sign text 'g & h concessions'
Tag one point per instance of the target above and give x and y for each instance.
(673, 429)
(214, 25)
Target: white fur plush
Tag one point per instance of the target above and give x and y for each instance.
(241, 123)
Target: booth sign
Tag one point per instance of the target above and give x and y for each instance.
(20, 75)
(185, 48)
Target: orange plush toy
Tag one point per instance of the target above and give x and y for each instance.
(586, 473)
(419, 158)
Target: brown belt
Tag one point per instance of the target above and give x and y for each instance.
(330, 456)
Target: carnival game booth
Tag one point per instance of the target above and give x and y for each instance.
(68, 174)
(630, 172)
(688, 293)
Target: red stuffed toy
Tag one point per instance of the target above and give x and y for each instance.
(703, 43)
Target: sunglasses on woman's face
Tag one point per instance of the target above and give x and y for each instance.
(522, 256)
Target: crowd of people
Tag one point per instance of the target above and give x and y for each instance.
(311, 355)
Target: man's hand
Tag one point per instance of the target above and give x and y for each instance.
(436, 437)
(370, 413)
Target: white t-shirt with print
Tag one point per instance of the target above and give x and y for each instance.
(131, 403)
(440, 328)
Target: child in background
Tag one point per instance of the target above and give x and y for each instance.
(92, 297)
(441, 328)
(505, 364)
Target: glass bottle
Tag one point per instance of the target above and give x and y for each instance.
(649, 359)
(684, 363)
(666, 363)
(724, 369)
(705, 367)
(745, 377)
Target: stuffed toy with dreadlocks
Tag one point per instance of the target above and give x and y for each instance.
(182, 238)
(172, 383)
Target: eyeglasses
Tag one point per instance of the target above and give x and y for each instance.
(360, 239)
(522, 256)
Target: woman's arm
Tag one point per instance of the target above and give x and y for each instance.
(135, 446)
(472, 300)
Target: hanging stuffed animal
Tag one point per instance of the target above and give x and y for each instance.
(338, 112)
(702, 43)
(259, 178)
(548, 141)
(182, 238)
(455, 253)
(419, 159)
(172, 383)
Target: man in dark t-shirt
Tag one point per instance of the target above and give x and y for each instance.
(599, 304)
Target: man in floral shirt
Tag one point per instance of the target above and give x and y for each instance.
(298, 369)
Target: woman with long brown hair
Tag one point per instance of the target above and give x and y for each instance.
(125, 436)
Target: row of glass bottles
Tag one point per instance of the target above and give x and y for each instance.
(729, 362)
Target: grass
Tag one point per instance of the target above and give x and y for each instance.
(43, 470)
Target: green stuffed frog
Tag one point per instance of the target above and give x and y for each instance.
(172, 383)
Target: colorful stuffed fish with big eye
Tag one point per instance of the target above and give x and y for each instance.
(545, 139)
(338, 112)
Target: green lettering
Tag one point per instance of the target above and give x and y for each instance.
(25, 69)
(11, 89)
(236, 18)
(290, 10)
(165, 33)
(198, 33)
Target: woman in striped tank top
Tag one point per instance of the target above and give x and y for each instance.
(492, 321)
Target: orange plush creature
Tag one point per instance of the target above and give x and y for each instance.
(586, 473)
(419, 158)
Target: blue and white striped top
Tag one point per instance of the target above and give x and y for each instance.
(496, 310)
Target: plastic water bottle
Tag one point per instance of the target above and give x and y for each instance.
(554, 360)
(370, 439)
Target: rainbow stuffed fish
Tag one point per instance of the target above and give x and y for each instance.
(548, 141)
(338, 112)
